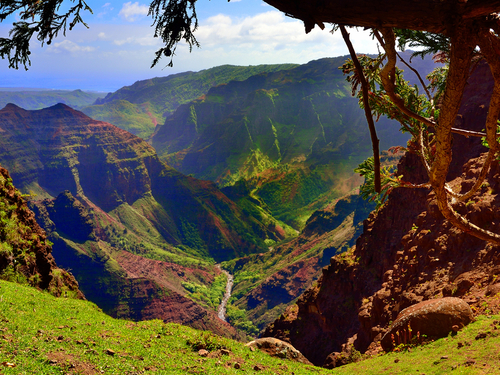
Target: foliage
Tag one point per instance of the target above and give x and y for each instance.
(205, 340)
(17, 240)
(238, 319)
(174, 20)
(36, 19)
(422, 141)
(210, 296)
(426, 42)
(389, 181)
(379, 100)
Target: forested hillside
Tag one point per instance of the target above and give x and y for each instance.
(140, 107)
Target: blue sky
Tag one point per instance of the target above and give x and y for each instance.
(119, 46)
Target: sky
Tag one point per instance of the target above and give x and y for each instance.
(118, 47)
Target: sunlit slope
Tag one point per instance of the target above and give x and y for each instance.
(139, 107)
(296, 135)
(112, 204)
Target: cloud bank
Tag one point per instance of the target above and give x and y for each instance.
(108, 56)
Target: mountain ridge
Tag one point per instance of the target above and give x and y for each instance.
(120, 196)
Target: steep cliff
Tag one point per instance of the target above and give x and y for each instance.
(105, 197)
(140, 107)
(295, 135)
(25, 252)
(265, 284)
(407, 253)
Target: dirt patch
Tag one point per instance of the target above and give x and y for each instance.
(71, 364)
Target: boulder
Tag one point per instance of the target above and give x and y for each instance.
(433, 318)
(278, 348)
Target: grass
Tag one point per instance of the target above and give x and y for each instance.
(45, 335)
(474, 350)
(42, 334)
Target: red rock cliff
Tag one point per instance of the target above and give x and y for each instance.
(407, 253)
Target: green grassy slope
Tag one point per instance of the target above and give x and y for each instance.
(46, 335)
(138, 108)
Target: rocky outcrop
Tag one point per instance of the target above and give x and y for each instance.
(433, 318)
(25, 254)
(407, 253)
(278, 348)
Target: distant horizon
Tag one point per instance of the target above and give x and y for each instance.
(119, 46)
(28, 89)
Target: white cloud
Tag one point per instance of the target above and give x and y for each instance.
(146, 40)
(133, 11)
(106, 9)
(69, 46)
(266, 32)
(113, 55)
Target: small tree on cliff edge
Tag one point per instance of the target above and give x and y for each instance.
(472, 28)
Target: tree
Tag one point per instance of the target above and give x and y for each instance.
(471, 27)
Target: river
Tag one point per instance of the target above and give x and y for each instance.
(221, 311)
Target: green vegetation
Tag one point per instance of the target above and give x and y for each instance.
(138, 119)
(47, 335)
(14, 246)
(210, 296)
(238, 319)
(17, 240)
(140, 107)
(289, 133)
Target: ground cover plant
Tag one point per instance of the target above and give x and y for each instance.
(45, 335)
(42, 334)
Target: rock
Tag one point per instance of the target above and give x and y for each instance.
(434, 318)
(110, 352)
(203, 353)
(493, 290)
(278, 348)
(335, 359)
(482, 335)
(469, 362)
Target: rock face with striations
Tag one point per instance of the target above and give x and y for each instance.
(25, 254)
(296, 135)
(407, 253)
(106, 199)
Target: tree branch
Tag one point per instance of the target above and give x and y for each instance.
(387, 76)
(366, 105)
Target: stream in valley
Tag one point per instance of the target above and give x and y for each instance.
(221, 311)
